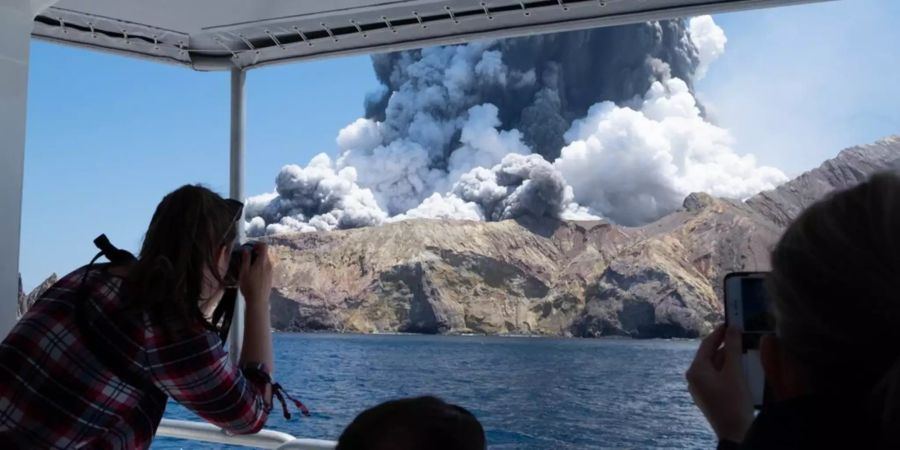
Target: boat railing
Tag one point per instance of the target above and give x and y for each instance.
(268, 439)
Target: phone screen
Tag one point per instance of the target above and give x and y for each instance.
(747, 307)
(755, 307)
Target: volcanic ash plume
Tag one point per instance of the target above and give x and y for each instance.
(520, 185)
(402, 172)
(313, 198)
(581, 124)
(539, 83)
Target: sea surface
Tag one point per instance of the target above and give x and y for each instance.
(529, 393)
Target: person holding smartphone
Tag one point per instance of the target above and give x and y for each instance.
(94, 361)
(833, 361)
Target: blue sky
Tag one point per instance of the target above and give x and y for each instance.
(797, 84)
(108, 136)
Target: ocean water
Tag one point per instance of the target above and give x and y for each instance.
(528, 393)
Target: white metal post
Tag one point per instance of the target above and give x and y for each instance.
(236, 333)
(16, 21)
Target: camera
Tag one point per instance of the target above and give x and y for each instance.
(224, 311)
(233, 275)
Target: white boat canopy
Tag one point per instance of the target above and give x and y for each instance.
(221, 34)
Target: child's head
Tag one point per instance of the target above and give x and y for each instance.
(413, 424)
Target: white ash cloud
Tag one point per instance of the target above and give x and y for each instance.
(574, 125)
(710, 41)
(401, 173)
(439, 206)
(636, 165)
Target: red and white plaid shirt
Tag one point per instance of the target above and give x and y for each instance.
(64, 387)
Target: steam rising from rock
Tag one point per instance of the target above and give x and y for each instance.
(635, 165)
(582, 124)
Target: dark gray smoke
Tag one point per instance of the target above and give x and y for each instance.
(544, 82)
(310, 199)
(520, 185)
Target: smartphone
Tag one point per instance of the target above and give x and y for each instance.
(748, 308)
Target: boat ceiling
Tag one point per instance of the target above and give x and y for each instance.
(223, 34)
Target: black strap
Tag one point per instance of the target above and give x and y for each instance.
(280, 393)
(93, 340)
(116, 256)
(257, 373)
(224, 312)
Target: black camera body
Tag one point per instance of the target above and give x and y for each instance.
(233, 275)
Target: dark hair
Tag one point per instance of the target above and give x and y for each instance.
(413, 424)
(187, 230)
(835, 284)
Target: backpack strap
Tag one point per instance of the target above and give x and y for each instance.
(116, 256)
(93, 340)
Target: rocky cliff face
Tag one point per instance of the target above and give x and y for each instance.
(441, 276)
(546, 276)
(25, 301)
(667, 283)
(22, 304)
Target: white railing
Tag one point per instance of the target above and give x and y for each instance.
(269, 439)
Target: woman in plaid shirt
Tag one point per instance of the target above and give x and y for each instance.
(94, 360)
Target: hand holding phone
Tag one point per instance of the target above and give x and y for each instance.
(717, 385)
(726, 379)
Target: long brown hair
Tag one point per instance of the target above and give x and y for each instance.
(188, 228)
(835, 285)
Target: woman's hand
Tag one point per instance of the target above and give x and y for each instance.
(256, 278)
(716, 382)
(256, 285)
